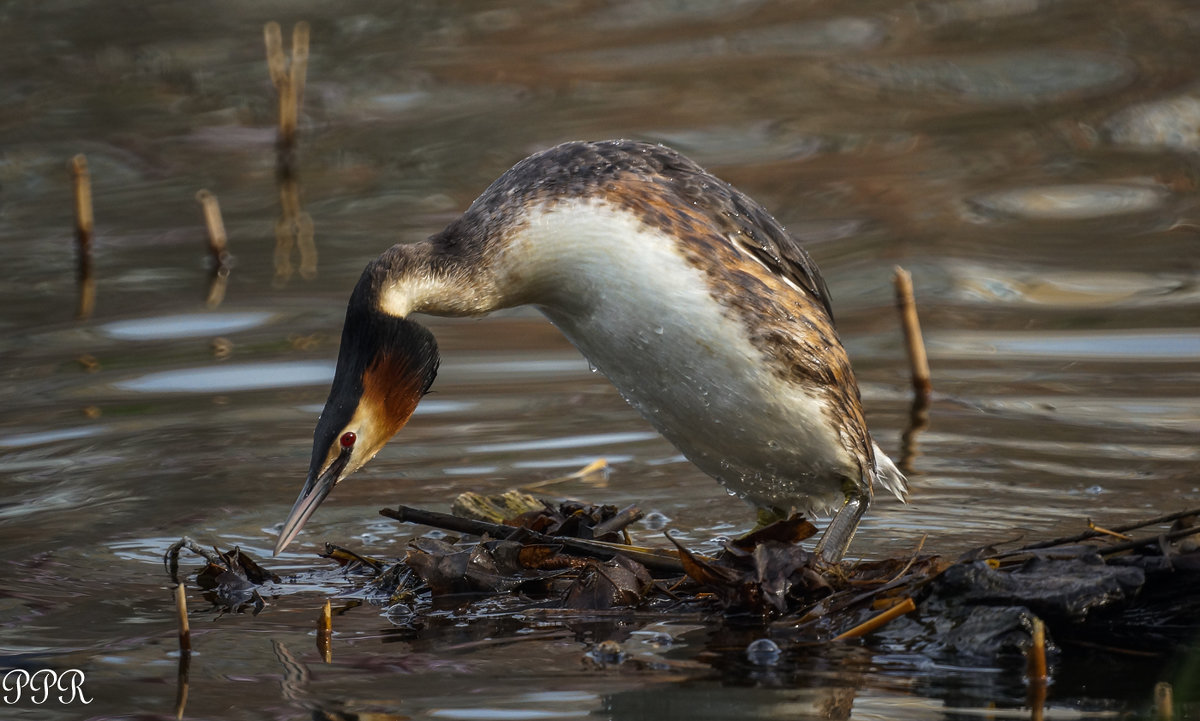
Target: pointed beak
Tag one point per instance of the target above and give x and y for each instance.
(316, 488)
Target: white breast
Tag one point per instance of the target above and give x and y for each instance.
(624, 295)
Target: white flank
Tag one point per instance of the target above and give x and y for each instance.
(624, 295)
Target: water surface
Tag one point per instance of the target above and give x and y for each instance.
(1034, 164)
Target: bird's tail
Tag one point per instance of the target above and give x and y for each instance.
(889, 476)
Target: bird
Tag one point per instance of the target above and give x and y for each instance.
(709, 318)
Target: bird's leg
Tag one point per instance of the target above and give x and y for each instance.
(841, 528)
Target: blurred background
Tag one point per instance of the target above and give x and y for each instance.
(1033, 163)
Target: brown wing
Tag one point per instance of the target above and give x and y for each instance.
(585, 168)
(766, 239)
(740, 216)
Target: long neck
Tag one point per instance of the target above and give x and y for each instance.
(429, 277)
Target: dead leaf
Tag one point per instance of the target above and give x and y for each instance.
(792, 531)
(614, 583)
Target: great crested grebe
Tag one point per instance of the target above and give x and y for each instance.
(705, 314)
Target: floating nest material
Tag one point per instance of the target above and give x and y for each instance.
(1099, 588)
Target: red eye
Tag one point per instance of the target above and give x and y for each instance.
(348, 439)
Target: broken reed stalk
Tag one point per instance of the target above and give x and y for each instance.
(218, 244)
(878, 621)
(917, 359)
(325, 632)
(299, 72)
(665, 561)
(185, 634)
(1035, 669)
(288, 80)
(294, 227)
(81, 181)
(276, 60)
(217, 240)
(1035, 657)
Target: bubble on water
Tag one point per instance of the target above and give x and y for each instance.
(1094, 490)
(659, 330)
(656, 520)
(763, 652)
(606, 653)
(400, 614)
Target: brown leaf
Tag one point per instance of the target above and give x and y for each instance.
(774, 565)
(703, 572)
(792, 530)
(443, 572)
(485, 573)
(617, 582)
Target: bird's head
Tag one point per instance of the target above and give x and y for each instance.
(385, 365)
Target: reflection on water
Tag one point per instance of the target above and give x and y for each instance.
(231, 378)
(183, 325)
(1033, 163)
(1167, 344)
(1071, 202)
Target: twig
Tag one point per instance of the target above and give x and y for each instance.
(596, 549)
(600, 464)
(1093, 534)
(1105, 532)
(171, 557)
(1153, 540)
(911, 560)
(625, 516)
(917, 359)
(871, 624)
(84, 230)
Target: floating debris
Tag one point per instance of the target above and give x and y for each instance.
(1138, 597)
(231, 578)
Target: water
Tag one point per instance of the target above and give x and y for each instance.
(1034, 164)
